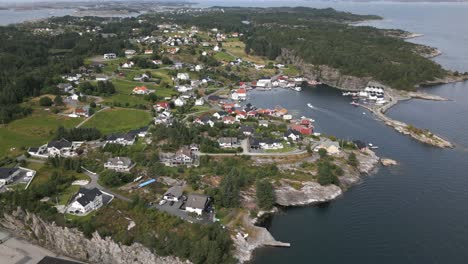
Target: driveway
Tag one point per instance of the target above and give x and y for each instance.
(94, 184)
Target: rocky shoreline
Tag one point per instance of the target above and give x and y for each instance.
(310, 193)
(333, 78)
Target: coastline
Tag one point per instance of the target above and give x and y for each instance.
(289, 195)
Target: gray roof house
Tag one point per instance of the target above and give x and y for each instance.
(119, 164)
(196, 203)
(174, 193)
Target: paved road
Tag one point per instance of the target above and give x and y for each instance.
(94, 184)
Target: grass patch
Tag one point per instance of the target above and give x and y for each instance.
(33, 130)
(119, 120)
(223, 56)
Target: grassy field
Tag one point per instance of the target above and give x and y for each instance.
(119, 120)
(237, 48)
(33, 130)
(223, 56)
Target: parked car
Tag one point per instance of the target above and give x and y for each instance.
(162, 202)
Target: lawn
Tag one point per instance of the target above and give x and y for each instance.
(124, 90)
(223, 56)
(33, 130)
(119, 120)
(237, 48)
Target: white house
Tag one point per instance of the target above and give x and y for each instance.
(128, 65)
(85, 201)
(102, 77)
(183, 76)
(119, 164)
(196, 203)
(174, 193)
(199, 67)
(292, 134)
(200, 101)
(110, 56)
(216, 48)
(228, 142)
(121, 139)
(332, 147)
(270, 144)
(179, 102)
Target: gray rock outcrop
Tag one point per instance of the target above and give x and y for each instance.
(71, 242)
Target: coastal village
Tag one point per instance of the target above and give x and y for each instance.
(166, 120)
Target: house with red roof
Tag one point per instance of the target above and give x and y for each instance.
(161, 106)
(141, 90)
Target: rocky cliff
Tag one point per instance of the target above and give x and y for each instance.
(73, 243)
(327, 75)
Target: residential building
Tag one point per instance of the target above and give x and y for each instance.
(179, 102)
(110, 56)
(65, 87)
(82, 111)
(228, 142)
(247, 130)
(197, 203)
(141, 90)
(121, 139)
(332, 147)
(85, 201)
(102, 77)
(292, 134)
(174, 193)
(161, 106)
(183, 76)
(200, 101)
(183, 156)
(121, 164)
(7, 175)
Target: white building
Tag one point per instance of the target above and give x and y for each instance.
(200, 101)
(174, 193)
(85, 201)
(183, 76)
(196, 203)
(179, 102)
(119, 164)
(110, 56)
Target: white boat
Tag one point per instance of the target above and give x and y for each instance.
(371, 146)
(310, 105)
(353, 103)
(297, 88)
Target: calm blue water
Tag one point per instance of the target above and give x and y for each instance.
(11, 16)
(416, 212)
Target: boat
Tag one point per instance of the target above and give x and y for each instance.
(353, 103)
(310, 105)
(371, 146)
(297, 88)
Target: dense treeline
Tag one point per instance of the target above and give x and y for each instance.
(357, 51)
(102, 88)
(323, 37)
(78, 134)
(30, 64)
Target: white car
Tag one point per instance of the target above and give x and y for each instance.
(162, 202)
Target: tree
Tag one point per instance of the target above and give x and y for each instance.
(352, 160)
(322, 152)
(265, 194)
(58, 100)
(45, 101)
(230, 189)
